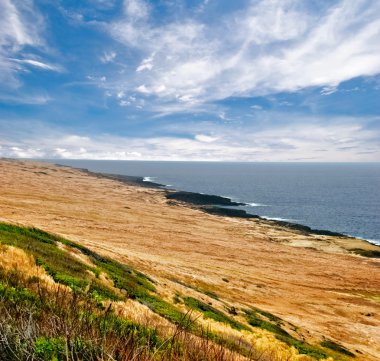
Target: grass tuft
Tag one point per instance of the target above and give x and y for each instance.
(211, 312)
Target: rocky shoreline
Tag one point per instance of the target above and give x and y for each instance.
(212, 204)
(220, 206)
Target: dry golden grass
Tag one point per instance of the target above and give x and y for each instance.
(12, 258)
(15, 259)
(309, 281)
(76, 254)
(141, 314)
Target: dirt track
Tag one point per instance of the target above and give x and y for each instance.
(310, 281)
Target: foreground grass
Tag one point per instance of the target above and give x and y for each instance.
(80, 277)
(72, 317)
(37, 323)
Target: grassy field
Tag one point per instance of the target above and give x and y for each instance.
(62, 301)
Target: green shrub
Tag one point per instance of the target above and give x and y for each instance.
(50, 349)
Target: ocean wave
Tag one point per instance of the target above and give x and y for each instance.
(280, 219)
(154, 180)
(373, 241)
(149, 179)
(256, 205)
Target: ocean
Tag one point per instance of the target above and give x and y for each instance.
(339, 197)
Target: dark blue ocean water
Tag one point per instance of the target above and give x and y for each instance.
(340, 197)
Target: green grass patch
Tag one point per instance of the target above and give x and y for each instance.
(67, 270)
(268, 315)
(366, 253)
(211, 312)
(54, 326)
(83, 309)
(336, 347)
(168, 311)
(49, 348)
(62, 266)
(272, 324)
(18, 296)
(303, 348)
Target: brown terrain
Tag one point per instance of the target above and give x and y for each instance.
(311, 281)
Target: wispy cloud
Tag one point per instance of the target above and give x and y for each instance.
(250, 80)
(37, 64)
(22, 98)
(271, 46)
(344, 139)
(21, 26)
(108, 56)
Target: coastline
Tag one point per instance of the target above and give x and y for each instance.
(219, 205)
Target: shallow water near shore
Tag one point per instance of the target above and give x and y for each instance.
(340, 197)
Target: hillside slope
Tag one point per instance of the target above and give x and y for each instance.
(276, 286)
(60, 300)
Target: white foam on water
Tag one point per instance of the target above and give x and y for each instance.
(373, 241)
(280, 219)
(149, 179)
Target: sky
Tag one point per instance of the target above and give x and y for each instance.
(202, 80)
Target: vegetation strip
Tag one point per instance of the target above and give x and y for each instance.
(84, 279)
(94, 283)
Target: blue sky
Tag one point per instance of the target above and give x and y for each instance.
(269, 80)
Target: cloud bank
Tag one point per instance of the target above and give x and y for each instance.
(271, 46)
(253, 80)
(305, 140)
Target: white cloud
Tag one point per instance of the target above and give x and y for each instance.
(146, 64)
(17, 27)
(270, 46)
(136, 9)
(342, 139)
(21, 25)
(98, 79)
(38, 64)
(143, 89)
(108, 57)
(205, 138)
(25, 99)
(327, 90)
